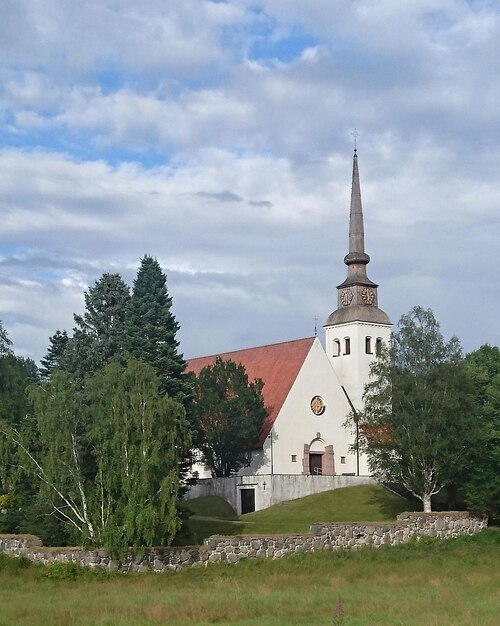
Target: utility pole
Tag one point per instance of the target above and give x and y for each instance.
(356, 421)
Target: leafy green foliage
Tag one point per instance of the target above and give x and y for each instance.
(106, 456)
(139, 437)
(73, 571)
(482, 482)
(151, 328)
(16, 374)
(418, 425)
(229, 413)
(25, 512)
(13, 565)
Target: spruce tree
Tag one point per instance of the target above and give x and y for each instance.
(5, 342)
(99, 333)
(151, 328)
(54, 354)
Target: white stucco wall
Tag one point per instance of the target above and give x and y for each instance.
(297, 425)
(273, 489)
(353, 370)
(321, 374)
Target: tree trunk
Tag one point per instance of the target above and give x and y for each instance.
(426, 499)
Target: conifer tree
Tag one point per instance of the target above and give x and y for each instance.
(5, 342)
(99, 332)
(151, 328)
(54, 354)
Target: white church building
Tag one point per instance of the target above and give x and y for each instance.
(309, 390)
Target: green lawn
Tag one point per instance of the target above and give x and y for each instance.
(432, 583)
(364, 503)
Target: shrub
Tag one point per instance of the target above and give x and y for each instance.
(72, 571)
(13, 564)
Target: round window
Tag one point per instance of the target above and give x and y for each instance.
(317, 405)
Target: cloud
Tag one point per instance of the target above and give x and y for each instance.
(221, 196)
(86, 37)
(217, 136)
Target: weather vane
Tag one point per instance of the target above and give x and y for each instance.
(355, 134)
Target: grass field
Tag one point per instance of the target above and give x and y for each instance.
(440, 583)
(364, 503)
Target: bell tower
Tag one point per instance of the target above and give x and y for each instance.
(356, 331)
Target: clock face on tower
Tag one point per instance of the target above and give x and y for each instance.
(368, 296)
(346, 296)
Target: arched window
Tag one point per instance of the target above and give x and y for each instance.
(378, 346)
(368, 345)
(336, 347)
(347, 345)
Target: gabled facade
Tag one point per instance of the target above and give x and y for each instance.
(303, 433)
(309, 390)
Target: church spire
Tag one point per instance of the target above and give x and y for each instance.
(357, 259)
(357, 295)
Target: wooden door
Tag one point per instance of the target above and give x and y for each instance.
(315, 464)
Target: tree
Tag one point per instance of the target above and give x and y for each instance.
(418, 426)
(54, 355)
(151, 328)
(139, 437)
(5, 342)
(229, 413)
(16, 374)
(135, 438)
(99, 333)
(482, 481)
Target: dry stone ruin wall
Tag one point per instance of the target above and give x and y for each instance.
(233, 549)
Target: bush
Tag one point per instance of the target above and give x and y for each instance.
(72, 571)
(13, 564)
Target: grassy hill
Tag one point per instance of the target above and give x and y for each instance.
(365, 503)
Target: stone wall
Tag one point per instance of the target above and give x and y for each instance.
(233, 549)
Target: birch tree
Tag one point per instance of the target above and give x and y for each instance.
(106, 457)
(418, 426)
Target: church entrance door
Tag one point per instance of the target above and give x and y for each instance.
(315, 464)
(247, 500)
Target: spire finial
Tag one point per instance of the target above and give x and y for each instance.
(355, 134)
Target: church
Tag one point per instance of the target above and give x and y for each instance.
(309, 390)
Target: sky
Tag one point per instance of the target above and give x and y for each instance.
(217, 136)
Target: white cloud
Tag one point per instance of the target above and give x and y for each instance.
(247, 211)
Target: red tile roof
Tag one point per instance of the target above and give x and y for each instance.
(277, 365)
